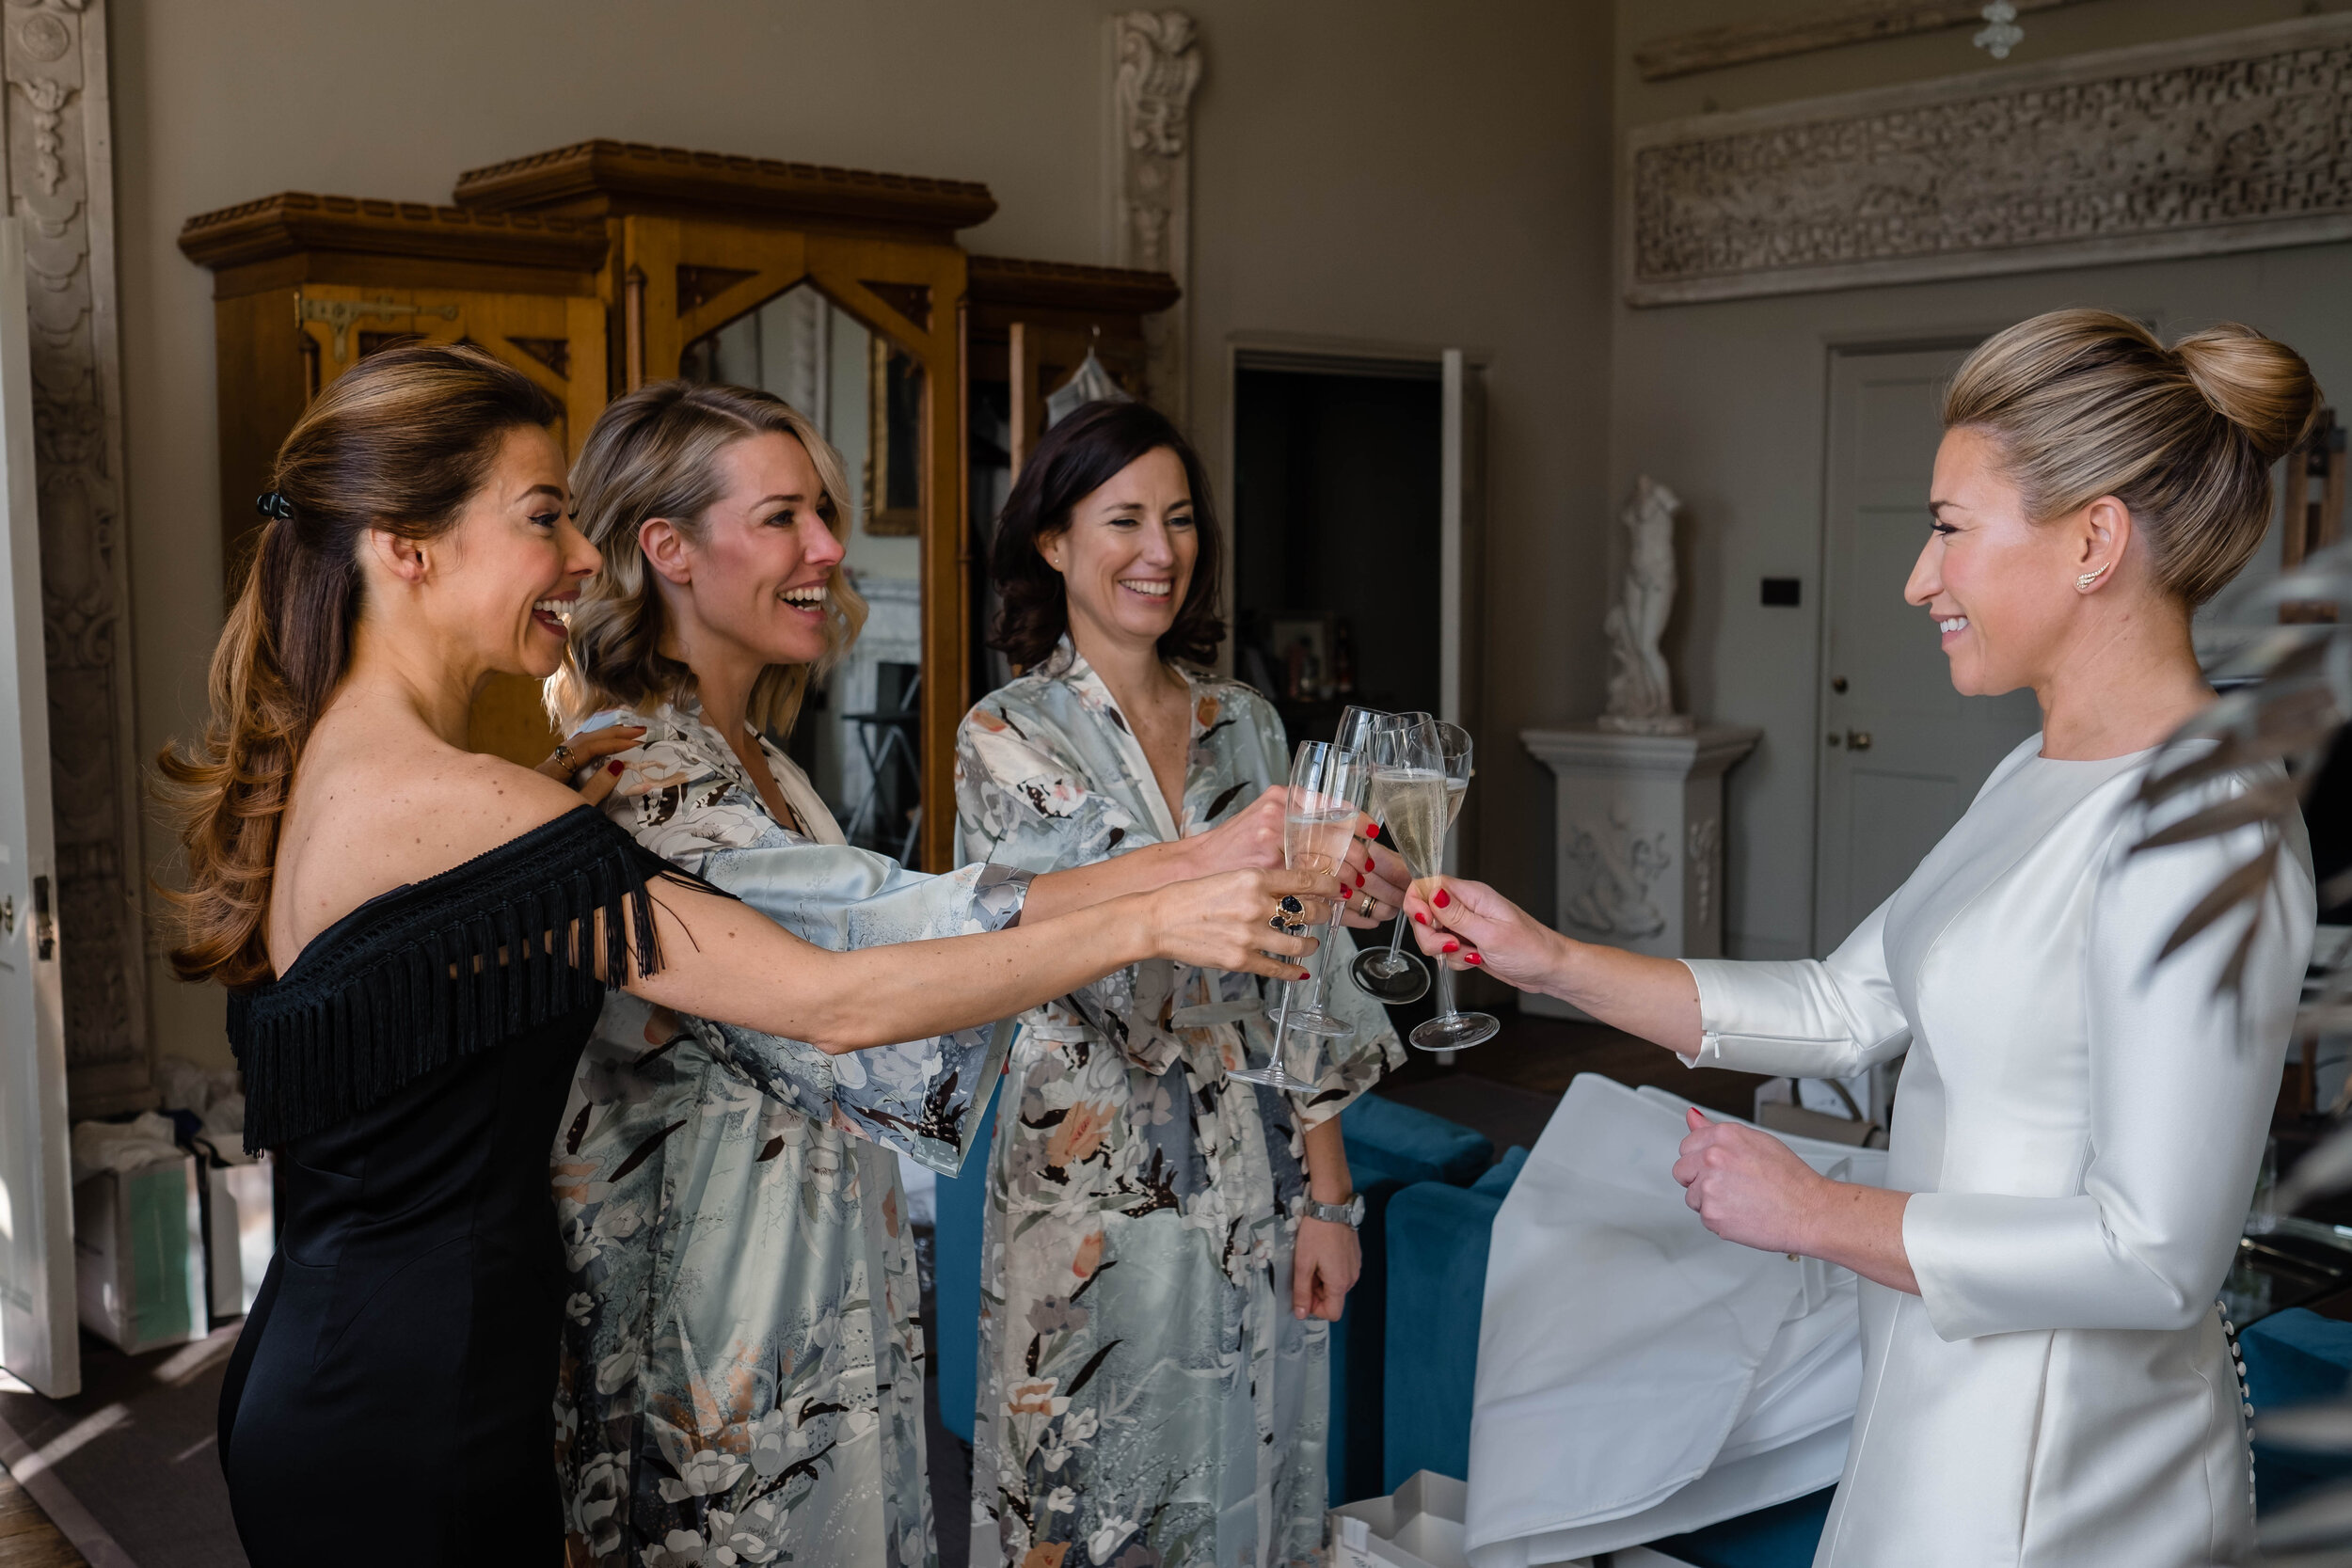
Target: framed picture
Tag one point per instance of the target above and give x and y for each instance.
(894, 441)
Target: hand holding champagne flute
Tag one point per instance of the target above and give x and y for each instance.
(1452, 1029)
(1321, 817)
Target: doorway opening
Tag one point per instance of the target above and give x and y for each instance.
(1337, 533)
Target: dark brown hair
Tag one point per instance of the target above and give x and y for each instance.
(2085, 404)
(1078, 457)
(399, 442)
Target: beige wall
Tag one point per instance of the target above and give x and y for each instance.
(1378, 169)
(1726, 401)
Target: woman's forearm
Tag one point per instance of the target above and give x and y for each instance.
(1654, 998)
(1860, 1228)
(726, 961)
(1328, 1180)
(1054, 894)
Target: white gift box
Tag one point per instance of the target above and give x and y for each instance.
(139, 1253)
(1419, 1526)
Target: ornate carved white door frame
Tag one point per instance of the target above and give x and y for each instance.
(61, 180)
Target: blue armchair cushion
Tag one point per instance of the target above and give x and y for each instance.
(959, 1204)
(2292, 1358)
(1390, 1148)
(1385, 1139)
(1438, 1238)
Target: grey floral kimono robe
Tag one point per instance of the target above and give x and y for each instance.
(1146, 1398)
(741, 1373)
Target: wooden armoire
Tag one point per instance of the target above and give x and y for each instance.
(597, 267)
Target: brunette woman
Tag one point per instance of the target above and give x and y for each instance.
(418, 940)
(1165, 1245)
(2046, 1377)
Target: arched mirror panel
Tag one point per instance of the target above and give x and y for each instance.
(859, 733)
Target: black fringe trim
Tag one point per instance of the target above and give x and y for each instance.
(442, 969)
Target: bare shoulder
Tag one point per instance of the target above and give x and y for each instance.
(364, 821)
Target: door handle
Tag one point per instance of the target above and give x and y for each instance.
(1837, 684)
(45, 928)
(1857, 740)
(8, 914)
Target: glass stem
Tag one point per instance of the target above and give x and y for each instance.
(1396, 938)
(1325, 953)
(1445, 987)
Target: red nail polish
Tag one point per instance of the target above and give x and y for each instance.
(1450, 947)
(617, 768)
(1420, 919)
(1441, 900)
(1360, 878)
(1472, 958)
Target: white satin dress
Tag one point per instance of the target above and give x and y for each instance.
(2080, 1127)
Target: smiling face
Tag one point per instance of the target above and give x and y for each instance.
(1127, 556)
(2001, 587)
(509, 570)
(751, 584)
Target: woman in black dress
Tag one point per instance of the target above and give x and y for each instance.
(417, 940)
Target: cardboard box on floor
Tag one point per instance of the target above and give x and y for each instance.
(138, 1255)
(1421, 1525)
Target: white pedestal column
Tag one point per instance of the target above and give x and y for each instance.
(1639, 821)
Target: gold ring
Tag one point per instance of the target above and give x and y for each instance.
(564, 759)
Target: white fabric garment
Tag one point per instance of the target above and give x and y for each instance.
(1638, 1375)
(2080, 1126)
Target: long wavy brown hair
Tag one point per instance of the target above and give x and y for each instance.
(398, 443)
(655, 454)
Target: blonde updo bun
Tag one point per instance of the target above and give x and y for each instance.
(2085, 404)
(2257, 384)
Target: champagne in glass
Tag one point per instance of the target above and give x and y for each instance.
(1326, 792)
(1452, 1029)
(1411, 796)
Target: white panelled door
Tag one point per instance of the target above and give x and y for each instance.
(38, 1331)
(1903, 754)
(1461, 468)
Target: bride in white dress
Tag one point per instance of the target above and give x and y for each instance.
(2076, 1130)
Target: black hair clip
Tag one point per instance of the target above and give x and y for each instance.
(273, 505)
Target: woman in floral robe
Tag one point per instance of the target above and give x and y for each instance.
(755, 1376)
(742, 1375)
(1151, 1394)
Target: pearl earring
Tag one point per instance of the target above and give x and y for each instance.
(2084, 582)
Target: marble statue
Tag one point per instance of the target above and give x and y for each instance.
(1641, 691)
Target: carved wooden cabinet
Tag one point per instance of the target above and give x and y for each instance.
(306, 286)
(597, 267)
(700, 240)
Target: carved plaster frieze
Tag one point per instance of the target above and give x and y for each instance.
(60, 184)
(2233, 142)
(1156, 68)
(1615, 873)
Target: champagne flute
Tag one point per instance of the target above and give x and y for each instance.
(1327, 793)
(1408, 770)
(1452, 1029)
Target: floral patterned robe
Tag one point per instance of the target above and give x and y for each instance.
(1146, 1398)
(741, 1372)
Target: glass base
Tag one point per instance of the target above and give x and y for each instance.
(1394, 978)
(1456, 1032)
(1273, 1078)
(1308, 1021)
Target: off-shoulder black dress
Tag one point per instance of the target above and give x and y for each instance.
(392, 1399)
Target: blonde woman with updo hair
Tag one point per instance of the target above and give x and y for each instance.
(2046, 1377)
(742, 1368)
(417, 940)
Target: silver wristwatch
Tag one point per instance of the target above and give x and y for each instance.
(1350, 1214)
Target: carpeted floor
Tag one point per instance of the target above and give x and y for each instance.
(136, 1448)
